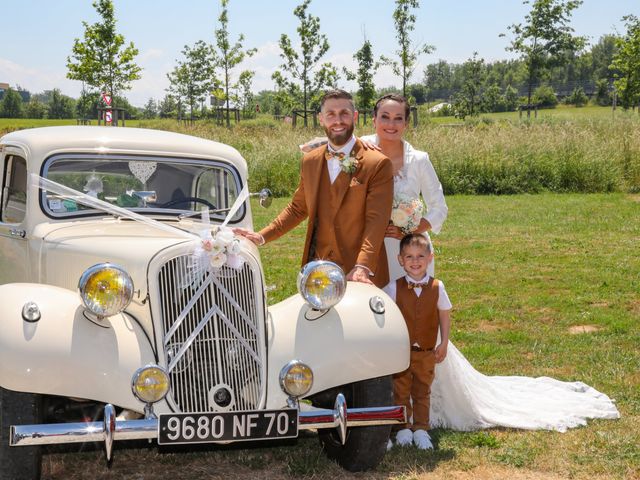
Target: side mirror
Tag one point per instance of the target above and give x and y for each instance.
(264, 196)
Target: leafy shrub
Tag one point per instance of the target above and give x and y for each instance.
(577, 98)
(545, 97)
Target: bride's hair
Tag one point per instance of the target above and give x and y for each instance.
(393, 97)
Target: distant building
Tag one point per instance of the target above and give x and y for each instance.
(25, 94)
(3, 88)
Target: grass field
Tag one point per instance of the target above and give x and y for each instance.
(525, 273)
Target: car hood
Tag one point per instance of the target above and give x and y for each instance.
(67, 250)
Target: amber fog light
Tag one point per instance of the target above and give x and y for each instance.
(296, 378)
(150, 384)
(105, 289)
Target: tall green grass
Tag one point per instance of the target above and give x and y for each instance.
(552, 154)
(569, 150)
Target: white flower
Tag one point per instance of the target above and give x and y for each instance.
(234, 248)
(218, 260)
(399, 217)
(225, 236)
(235, 261)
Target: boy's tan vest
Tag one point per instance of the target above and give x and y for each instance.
(420, 313)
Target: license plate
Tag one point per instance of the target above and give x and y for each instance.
(175, 428)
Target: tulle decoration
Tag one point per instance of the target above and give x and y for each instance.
(215, 246)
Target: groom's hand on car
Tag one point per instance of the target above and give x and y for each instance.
(253, 236)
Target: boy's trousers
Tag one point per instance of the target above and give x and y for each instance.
(415, 384)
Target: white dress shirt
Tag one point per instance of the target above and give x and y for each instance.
(333, 164)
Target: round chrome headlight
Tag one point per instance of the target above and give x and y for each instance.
(296, 378)
(105, 289)
(322, 284)
(150, 384)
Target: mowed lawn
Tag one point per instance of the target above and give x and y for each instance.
(542, 284)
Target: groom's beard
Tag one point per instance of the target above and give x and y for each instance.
(339, 139)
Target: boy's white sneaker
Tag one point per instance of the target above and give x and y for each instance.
(422, 440)
(404, 437)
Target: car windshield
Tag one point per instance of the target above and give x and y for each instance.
(145, 185)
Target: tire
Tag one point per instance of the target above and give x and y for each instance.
(18, 463)
(364, 447)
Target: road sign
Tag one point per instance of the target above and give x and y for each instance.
(106, 99)
(108, 116)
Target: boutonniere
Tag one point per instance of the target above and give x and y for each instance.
(349, 164)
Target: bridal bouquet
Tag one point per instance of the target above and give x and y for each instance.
(406, 213)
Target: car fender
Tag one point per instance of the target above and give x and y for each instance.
(348, 343)
(65, 353)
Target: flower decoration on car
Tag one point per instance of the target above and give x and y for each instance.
(406, 213)
(218, 249)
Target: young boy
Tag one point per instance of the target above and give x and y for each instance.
(425, 306)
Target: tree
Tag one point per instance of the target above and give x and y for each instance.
(243, 96)
(101, 60)
(602, 54)
(61, 106)
(192, 79)
(627, 63)
(467, 101)
(35, 109)
(438, 78)
(11, 106)
(367, 68)
(150, 109)
(87, 104)
(300, 65)
(229, 56)
(168, 107)
(408, 53)
(545, 37)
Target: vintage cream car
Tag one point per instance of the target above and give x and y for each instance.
(125, 296)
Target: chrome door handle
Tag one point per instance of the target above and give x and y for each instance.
(15, 232)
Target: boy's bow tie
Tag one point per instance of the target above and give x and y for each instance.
(413, 285)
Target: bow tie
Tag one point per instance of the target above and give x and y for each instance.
(413, 285)
(329, 155)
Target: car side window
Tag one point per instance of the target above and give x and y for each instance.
(14, 190)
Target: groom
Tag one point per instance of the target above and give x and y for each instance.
(346, 193)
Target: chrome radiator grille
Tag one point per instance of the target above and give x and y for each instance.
(213, 337)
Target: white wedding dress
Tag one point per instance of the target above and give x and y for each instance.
(463, 398)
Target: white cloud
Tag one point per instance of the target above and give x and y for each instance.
(151, 54)
(36, 80)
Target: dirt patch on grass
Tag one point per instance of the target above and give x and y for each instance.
(486, 326)
(634, 306)
(577, 329)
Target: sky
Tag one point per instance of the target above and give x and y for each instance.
(37, 36)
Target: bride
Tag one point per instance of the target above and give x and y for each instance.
(461, 397)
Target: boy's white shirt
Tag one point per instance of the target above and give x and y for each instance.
(443, 299)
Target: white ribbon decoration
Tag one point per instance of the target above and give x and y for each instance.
(201, 259)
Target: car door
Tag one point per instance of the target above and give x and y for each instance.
(13, 208)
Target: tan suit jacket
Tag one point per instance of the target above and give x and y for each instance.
(362, 214)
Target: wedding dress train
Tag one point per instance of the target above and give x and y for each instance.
(464, 399)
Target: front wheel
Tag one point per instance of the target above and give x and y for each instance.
(18, 463)
(364, 447)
